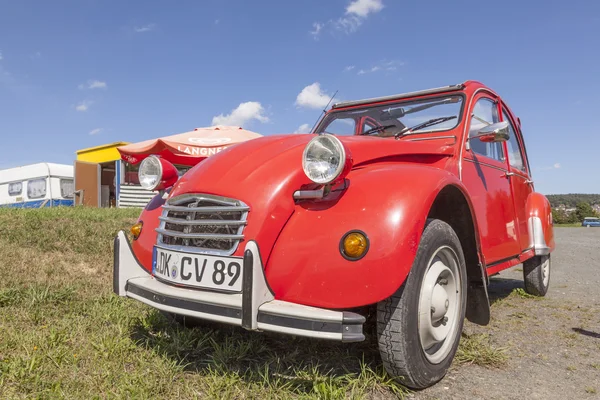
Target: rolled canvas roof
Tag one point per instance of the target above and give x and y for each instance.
(187, 148)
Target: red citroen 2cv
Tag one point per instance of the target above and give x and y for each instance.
(406, 203)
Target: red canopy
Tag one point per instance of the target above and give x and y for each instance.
(187, 148)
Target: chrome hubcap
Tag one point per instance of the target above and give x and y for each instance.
(546, 271)
(440, 305)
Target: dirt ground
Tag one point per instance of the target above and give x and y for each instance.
(553, 343)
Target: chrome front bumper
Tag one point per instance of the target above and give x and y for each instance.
(254, 309)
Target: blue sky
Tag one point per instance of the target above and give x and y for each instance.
(75, 74)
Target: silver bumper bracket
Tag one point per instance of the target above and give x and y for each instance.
(254, 309)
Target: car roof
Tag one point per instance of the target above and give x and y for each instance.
(443, 89)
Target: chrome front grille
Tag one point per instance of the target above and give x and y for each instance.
(202, 223)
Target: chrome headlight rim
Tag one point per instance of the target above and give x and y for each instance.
(145, 161)
(338, 145)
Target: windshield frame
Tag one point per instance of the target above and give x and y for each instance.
(331, 114)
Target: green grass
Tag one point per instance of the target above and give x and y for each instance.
(66, 335)
(478, 349)
(574, 225)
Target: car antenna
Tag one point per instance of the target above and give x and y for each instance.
(324, 110)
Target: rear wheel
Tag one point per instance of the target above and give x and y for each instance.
(419, 326)
(536, 274)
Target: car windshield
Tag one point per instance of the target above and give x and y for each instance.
(407, 117)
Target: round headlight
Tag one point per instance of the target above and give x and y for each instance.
(324, 159)
(150, 173)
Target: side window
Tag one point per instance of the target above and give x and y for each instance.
(36, 188)
(341, 126)
(515, 158)
(485, 113)
(66, 188)
(367, 126)
(15, 188)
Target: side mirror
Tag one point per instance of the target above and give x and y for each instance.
(493, 133)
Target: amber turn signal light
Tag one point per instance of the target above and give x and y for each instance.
(354, 245)
(136, 230)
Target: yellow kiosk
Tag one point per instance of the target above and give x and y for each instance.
(95, 172)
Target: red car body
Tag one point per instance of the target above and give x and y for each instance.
(433, 212)
(392, 188)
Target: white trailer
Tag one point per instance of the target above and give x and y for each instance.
(37, 185)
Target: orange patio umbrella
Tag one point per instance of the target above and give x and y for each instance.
(187, 148)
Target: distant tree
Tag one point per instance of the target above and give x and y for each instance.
(584, 210)
(560, 217)
(572, 199)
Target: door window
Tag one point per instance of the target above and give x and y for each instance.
(515, 158)
(66, 188)
(36, 188)
(15, 188)
(485, 113)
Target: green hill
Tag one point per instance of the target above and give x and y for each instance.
(572, 199)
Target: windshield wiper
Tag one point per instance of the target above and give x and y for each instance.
(431, 122)
(377, 129)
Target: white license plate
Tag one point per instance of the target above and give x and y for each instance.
(198, 270)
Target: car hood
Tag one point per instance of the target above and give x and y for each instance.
(272, 163)
(265, 172)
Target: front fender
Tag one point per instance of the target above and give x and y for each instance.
(144, 245)
(390, 203)
(541, 226)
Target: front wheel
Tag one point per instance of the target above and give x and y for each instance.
(419, 326)
(536, 274)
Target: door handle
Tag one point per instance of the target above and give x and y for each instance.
(508, 174)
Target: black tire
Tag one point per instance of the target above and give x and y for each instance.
(536, 274)
(398, 330)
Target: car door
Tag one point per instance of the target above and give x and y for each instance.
(484, 173)
(519, 177)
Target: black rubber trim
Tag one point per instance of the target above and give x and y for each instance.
(342, 245)
(350, 318)
(190, 305)
(303, 324)
(116, 244)
(247, 284)
(502, 261)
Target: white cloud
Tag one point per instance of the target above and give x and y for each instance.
(554, 166)
(348, 24)
(95, 131)
(382, 66)
(317, 27)
(349, 68)
(144, 28)
(217, 21)
(304, 128)
(244, 113)
(0, 56)
(93, 84)
(356, 13)
(313, 97)
(362, 8)
(83, 106)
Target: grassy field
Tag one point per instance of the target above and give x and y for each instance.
(65, 335)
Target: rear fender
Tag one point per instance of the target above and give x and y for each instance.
(541, 226)
(390, 204)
